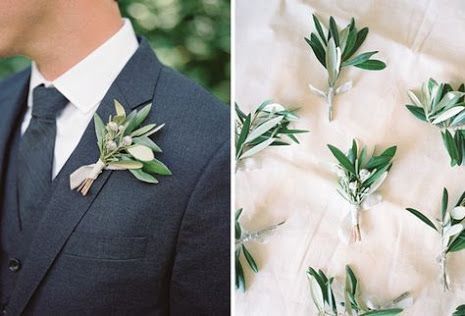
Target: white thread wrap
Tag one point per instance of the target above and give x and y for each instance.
(354, 214)
(91, 171)
(259, 235)
(442, 260)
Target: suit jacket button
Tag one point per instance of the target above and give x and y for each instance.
(14, 265)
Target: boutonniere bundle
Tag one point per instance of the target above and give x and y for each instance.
(335, 50)
(352, 304)
(242, 237)
(360, 176)
(450, 226)
(267, 126)
(444, 107)
(123, 145)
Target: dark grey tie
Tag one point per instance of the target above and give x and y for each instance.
(36, 152)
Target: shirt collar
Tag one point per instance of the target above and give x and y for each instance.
(87, 82)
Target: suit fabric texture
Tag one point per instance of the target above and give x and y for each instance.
(127, 248)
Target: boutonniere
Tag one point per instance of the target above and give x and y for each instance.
(450, 226)
(360, 176)
(352, 303)
(242, 237)
(267, 125)
(124, 145)
(444, 107)
(335, 50)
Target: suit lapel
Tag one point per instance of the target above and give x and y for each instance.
(134, 86)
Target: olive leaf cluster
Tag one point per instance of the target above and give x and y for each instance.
(361, 174)
(460, 311)
(335, 49)
(450, 226)
(441, 105)
(125, 144)
(267, 126)
(321, 289)
(241, 238)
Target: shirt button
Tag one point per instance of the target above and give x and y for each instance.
(14, 265)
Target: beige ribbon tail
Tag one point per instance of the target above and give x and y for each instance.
(91, 171)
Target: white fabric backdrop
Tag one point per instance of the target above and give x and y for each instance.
(417, 40)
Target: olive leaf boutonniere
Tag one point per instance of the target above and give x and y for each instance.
(444, 107)
(335, 50)
(352, 302)
(451, 227)
(242, 237)
(360, 176)
(268, 125)
(123, 145)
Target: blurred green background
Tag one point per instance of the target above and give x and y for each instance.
(192, 36)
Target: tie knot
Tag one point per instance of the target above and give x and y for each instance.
(47, 103)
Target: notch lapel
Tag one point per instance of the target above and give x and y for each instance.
(133, 87)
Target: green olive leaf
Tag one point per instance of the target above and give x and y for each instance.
(141, 152)
(156, 167)
(143, 130)
(144, 140)
(142, 114)
(99, 130)
(126, 164)
(119, 109)
(423, 218)
(143, 176)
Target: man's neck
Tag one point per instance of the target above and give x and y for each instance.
(71, 37)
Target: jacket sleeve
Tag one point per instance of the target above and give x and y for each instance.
(200, 280)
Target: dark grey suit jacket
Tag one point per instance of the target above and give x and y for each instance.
(130, 247)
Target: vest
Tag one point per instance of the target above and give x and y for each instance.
(10, 252)
(14, 237)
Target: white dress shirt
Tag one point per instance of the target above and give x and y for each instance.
(84, 85)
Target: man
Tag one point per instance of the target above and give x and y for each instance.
(127, 247)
